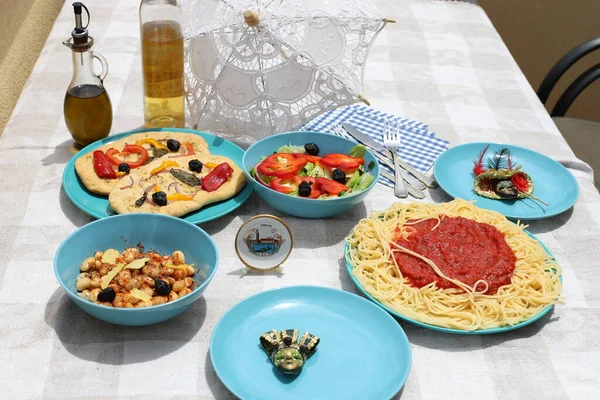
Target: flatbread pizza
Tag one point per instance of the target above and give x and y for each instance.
(101, 173)
(177, 186)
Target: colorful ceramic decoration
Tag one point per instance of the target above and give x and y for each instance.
(263, 242)
(503, 179)
(286, 352)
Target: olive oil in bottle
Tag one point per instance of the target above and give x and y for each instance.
(88, 113)
(162, 64)
(87, 108)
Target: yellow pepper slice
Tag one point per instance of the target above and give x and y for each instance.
(211, 165)
(156, 188)
(152, 142)
(163, 166)
(179, 196)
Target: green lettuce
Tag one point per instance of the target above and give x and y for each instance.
(358, 151)
(291, 149)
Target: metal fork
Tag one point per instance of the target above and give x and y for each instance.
(412, 186)
(392, 141)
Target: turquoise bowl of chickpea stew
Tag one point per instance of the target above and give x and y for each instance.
(136, 269)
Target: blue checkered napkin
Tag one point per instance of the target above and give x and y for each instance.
(407, 126)
(420, 148)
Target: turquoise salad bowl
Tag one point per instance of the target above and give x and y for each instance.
(301, 206)
(152, 231)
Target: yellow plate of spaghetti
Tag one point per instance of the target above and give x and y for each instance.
(453, 267)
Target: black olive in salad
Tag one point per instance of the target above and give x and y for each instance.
(195, 165)
(162, 287)
(304, 189)
(339, 176)
(173, 145)
(311, 149)
(124, 167)
(159, 198)
(107, 295)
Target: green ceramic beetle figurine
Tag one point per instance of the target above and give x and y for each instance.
(286, 352)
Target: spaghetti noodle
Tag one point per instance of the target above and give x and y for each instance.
(373, 249)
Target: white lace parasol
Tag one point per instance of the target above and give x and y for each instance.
(254, 68)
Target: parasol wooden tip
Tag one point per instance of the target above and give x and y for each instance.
(364, 100)
(251, 17)
(389, 21)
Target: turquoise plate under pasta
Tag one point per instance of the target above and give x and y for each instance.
(441, 328)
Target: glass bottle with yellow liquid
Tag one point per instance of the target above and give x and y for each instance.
(87, 108)
(162, 63)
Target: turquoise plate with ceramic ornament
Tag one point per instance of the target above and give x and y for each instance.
(363, 353)
(553, 183)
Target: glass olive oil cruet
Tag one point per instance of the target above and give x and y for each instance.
(87, 107)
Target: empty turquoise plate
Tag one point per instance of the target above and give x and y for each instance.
(97, 206)
(363, 354)
(553, 183)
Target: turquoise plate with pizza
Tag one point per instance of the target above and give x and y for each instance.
(97, 206)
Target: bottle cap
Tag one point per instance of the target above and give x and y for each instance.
(263, 242)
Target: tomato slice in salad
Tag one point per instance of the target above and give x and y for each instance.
(272, 166)
(341, 161)
(276, 184)
(307, 157)
(331, 186)
(309, 179)
(315, 193)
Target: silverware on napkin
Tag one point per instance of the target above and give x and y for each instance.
(413, 187)
(385, 153)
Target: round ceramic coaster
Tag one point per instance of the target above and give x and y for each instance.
(263, 242)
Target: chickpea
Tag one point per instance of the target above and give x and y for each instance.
(151, 270)
(184, 292)
(134, 283)
(115, 287)
(83, 283)
(94, 294)
(129, 305)
(97, 264)
(87, 264)
(173, 296)
(98, 255)
(190, 270)
(143, 304)
(119, 300)
(156, 300)
(148, 290)
(130, 299)
(104, 303)
(167, 271)
(178, 286)
(124, 277)
(84, 295)
(188, 282)
(168, 279)
(180, 273)
(96, 282)
(130, 254)
(103, 270)
(178, 257)
(147, 281)
(83, 275)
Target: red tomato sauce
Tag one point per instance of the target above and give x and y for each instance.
(463, 249)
